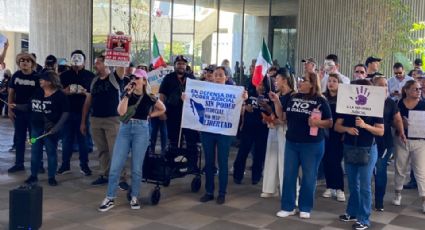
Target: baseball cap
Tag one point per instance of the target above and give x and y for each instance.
(139, 73)
(47, 75)
(418, 61)
(180, 58)
(372, 59)
(310, 59)
(51, 60)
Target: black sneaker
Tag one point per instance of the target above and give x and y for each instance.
(42, 170)
(12, 149)
(63, 170)
(52, 182)
(360, 226)
(206, 198)
(237, 181)
(106, 205)
(134, 203)
(31, 180)
(221, 199)
(411, 185)
(347, 218)
(85, 170)
(99, 181)
(379, 207)
(123, 186)
(16, 168)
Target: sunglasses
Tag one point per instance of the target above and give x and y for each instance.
(24, 60)
(361, 72)
(416, 89)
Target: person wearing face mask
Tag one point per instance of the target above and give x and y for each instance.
(76, 83)
(170, 93)
(22, 86)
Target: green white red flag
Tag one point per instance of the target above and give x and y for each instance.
(264, 62)
(157, 59)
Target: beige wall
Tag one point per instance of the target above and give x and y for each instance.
(334, 26)
(60, 26)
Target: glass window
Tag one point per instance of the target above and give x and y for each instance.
(100, 25)
(183, 19)
(230, 33)
(139, 25)
(205, 50)
(120, 15)
(161, 26)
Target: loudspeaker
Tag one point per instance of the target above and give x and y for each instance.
(26, 207)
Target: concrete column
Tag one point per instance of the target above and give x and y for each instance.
(60, 26)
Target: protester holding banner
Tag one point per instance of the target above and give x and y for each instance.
(220, 142)
(414, 149)
(333, 146)
(273, 165)
(307, 114)
(360, 155)
(135, 108)
(49, 110)
(385, 143)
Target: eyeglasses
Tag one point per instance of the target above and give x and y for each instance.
(24, 60)
(416, 89)
(398, 73)
(361, 72)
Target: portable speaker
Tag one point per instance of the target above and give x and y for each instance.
(25, 207)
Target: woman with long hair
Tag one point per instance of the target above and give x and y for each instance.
(413, 150)
(273, 164)
(135, 108)
(307, 114)
(49, 111)
(359, 143)
(333, 147)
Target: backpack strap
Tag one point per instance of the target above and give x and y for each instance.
(92, 82)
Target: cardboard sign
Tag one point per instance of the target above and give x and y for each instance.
(416, 128)
(361, 100)
(118, 49)
(211, 107)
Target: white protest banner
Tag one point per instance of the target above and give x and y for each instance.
(118, 50)
(416, 127)
(361, 100)
(211, 107)
(155, 78)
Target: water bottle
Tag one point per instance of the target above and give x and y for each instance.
(316, 115)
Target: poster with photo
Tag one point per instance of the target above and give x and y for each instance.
(118, 50)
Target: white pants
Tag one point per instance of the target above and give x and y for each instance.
(413, 152)
(273, 164)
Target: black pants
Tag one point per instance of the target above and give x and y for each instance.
(332, 162)
(251, 135)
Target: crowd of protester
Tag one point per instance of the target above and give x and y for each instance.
(288, 124)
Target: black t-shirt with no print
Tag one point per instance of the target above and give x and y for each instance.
(24, 86)
(390, 109)
(105, 97)
(365, 138)
(298, 109)
(144, 107)
(172, 88)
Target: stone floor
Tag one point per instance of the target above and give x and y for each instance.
(73, 205)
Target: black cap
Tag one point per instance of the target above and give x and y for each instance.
(418, 61)
(372, 59)
(180, 58)
(47, 75)
(50, 60)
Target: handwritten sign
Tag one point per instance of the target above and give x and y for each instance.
(416, 128)
(118, 50)
(361, 100)
(212, 107)
(155, 78)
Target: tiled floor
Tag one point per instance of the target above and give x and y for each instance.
(73, 205)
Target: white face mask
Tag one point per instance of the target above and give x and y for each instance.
(328, 65)
(77, 59)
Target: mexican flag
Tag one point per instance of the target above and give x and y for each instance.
(157, 60)
(264, 62)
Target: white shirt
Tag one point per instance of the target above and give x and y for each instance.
(394, 84)
(324, 81)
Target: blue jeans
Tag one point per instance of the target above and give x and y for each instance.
(22, 126)
(132, 137)
(381, 176)
(51, 143)
(158, 125)
(308, 155)
(211, 142)
(359, 182)
(71, 130)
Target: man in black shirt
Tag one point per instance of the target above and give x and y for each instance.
(22, 86)
(103, 99)
(170, 93)
(372, 67)
(76, 83)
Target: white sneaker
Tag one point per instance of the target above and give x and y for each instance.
(268, 195)
(283, 213)
(340, 196)
(106, 205)
(304, 215)
(397, 199)
(327, 193)
(134, 203)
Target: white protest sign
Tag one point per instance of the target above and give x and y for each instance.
(361, 100)
(416, 127)
(155, 78)
(211, 107)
